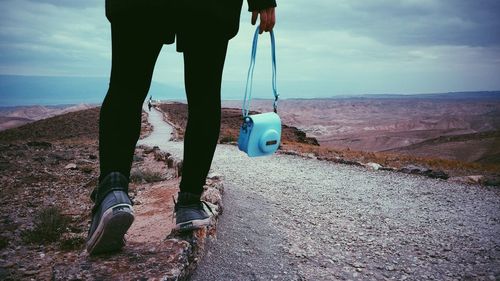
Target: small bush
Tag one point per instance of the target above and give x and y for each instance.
(50, 224)
(86, 169)
(72, 243)
(3, 242)
(227, 139)
(138, 176)
(150, 176)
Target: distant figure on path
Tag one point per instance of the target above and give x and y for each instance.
(149, 105)
(139, 29)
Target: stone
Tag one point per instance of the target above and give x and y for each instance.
(413, 169)
(374, 166)
(61, 155)
(160, 155)
(436, 174)
(148, 149)
(170, 162)
(214, 176)
(492, 181)
(30, 272)
(473, 179)
(179, 168)
(212, 195)
(419, 170)
(346, 162)
(387, 169)
(137, 158)
(71, 166)
(42, 144)
(83, 162)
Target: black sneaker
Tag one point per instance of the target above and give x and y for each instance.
(111, 218)
(191, 214)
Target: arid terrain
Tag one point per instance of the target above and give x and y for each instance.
(11, 117)
(295, 141)
(48, 169)
(454, 128)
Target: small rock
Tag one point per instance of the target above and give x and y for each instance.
(387, 169)
(42, 144)
(31, 272)
(179, 168)
(214, 176)
(138, 158)
(61, 155)
(492, 181)
(71, 166)
(473, 179)
(84, 162)
(374, 166)
(413, 169)
(436, 174)
(9, 264)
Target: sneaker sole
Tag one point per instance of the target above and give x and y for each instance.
(192, 225)
(108, 236)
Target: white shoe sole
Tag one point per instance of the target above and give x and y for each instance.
(114, 223)
(192, 225)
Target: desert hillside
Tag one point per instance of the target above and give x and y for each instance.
(11, 117)
(48, 169)
(398, 124)
(230, 124)
(481, 147)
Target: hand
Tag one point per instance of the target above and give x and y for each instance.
(267, 19)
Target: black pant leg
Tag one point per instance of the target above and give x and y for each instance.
(203, 67)
(136, 44)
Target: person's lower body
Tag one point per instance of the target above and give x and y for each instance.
(135, 48)
(203, 68)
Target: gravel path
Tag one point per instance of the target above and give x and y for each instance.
(290, 218)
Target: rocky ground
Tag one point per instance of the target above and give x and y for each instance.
(327, 221)
(291, 217)
(48, 169)
(296, 142)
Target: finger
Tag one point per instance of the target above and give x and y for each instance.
(263, 22)
(269, 19)
(273, 18)
(254, 17)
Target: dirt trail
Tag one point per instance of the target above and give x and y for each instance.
(291, 218)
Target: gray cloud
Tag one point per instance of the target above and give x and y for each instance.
(37, 36)
(411, 22)
(71, 3)
(324, 46)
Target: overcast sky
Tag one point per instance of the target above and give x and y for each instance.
(325, 47)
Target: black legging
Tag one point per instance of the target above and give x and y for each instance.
(135, 48)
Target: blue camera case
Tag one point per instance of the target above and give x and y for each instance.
(260, 134)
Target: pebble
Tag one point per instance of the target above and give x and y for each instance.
(70, 166)
(31, 272)
(9, 264)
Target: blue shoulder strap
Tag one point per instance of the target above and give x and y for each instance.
(248, 88)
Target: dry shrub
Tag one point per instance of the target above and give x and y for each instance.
(139, 176)
(50, 224)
